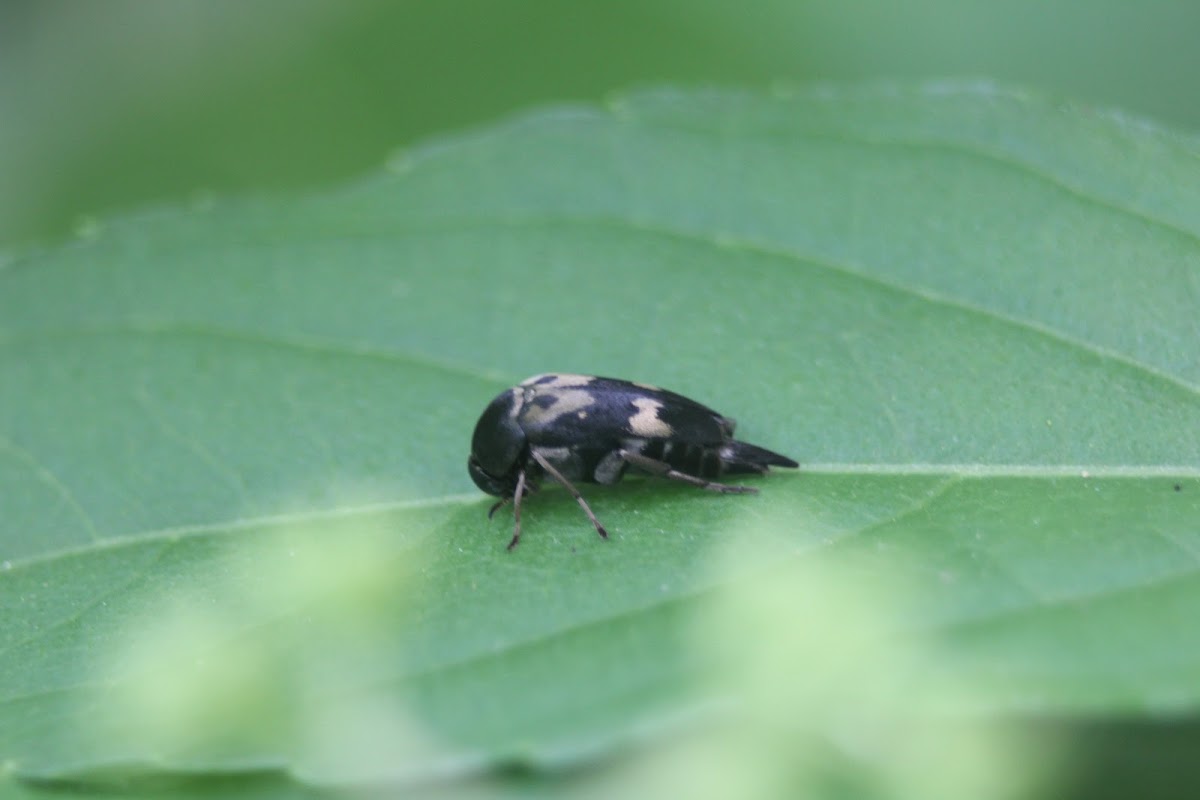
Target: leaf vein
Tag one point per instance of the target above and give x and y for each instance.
(47, 477)
(312, 345)
(972, 150)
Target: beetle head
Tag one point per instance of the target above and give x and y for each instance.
(503, 486)
(497, 446)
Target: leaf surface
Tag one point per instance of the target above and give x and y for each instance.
(232, 438)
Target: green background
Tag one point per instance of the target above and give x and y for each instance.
(123, 103)
(235, 513)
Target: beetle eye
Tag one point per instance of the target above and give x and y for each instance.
(486, 482)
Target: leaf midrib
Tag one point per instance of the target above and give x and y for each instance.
(975, 471)
(229, 527)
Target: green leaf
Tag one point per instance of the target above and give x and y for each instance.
(236, 530)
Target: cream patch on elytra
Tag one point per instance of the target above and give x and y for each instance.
(558, 380)
(566, 401)
(646, 422)
(518, 400)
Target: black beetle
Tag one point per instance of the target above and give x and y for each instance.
(592, 429)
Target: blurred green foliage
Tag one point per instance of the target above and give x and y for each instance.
(116, 105)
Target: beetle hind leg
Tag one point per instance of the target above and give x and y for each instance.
(665, 470)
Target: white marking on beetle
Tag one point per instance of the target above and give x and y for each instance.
(564, 460)
(646, 422)
(558, 380)
(582, 415)
(518, 400)
(610, 468)
(555, 454)
(565, 401)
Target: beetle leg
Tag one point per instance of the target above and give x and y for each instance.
(530, 488)
(662, 469)
(516, 498)
(558, 476)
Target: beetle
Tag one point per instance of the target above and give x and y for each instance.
(592, 429)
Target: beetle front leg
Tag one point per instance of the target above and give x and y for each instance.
(530, 488)
(516, 498)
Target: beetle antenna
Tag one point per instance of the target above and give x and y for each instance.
(499, 504)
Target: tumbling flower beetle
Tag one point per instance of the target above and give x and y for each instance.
(585, 428)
